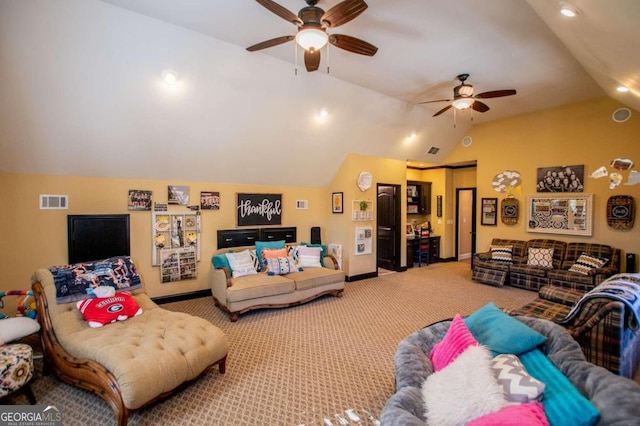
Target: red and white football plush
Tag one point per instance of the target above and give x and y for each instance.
(104, 310)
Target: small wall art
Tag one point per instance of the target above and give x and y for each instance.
(210, 200)
(364, 241)
(489, 211)
(178, 194)
(560, 179)
(139, 199)
(337, 202)
(510, 208)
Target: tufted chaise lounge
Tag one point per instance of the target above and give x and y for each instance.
(129, 363)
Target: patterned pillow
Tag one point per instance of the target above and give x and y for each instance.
(586, 263)
(281, 265)
(241, 263)
(517, 384)
(271, 253)
(542, 257)
(292, 251)
(502, 253)
(254, 259)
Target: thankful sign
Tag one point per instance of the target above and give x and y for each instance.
(259, 209)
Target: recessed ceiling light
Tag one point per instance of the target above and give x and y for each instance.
(323, 112)
(412, 136)
(622, 89)
(170, 77)
(569, 10)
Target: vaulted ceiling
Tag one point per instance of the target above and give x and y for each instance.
(84, 87)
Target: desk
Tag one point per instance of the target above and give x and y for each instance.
(434, 250)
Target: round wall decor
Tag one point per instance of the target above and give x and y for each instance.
(621, 115)
(466, 141)
(364, 181)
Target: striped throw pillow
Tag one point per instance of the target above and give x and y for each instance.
(502, 253)
(586, 263)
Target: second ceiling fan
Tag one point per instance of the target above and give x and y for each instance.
(313, 23)
(463, 97)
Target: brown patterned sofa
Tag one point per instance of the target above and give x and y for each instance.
(603, 323)
(518, 273)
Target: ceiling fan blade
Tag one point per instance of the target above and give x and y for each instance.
(439, 100)
(495, 94)
(343, 12)
(312, 60)
(479, 106)
(352, 44)
(270, 43)
(281, 11)
(442, 110)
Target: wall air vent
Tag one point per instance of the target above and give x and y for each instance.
(433, 150)
(54, 202)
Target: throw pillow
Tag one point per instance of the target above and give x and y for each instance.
(260, 245)
(517, 384)
(281, 265)
(270, 253)
(241, 264)
(220, 261)
(542, 257)
(309, 257)
(104, 310)
(501, 333)
(502, 253)
(586, 263)
(292, 251)
(16, 328)
(457, 339)
(324, 252)
(530, 414)
(254, 259)
(462, 391)
(563, 403)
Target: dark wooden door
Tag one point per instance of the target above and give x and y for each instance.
(388, 224)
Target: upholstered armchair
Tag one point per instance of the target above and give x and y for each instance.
(605, 326)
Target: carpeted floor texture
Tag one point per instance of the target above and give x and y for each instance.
(328, 362)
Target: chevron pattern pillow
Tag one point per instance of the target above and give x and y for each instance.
(517, 384)
(586, 263)
(502, 253)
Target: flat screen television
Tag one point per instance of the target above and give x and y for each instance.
(97, 236)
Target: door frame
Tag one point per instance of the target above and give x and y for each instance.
(473, 221)
(397, 242)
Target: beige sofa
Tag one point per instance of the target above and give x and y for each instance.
(242, 294)
(128, 363)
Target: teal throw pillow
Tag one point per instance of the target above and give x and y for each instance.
(563, 403)
(323, 252)
(220, 261)
(501, 333)
(261, 245)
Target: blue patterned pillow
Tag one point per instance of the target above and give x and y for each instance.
(260, 245)
(281, 265)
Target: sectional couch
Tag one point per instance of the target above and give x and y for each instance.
(512, 265)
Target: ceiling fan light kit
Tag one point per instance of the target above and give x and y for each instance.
(312, 23)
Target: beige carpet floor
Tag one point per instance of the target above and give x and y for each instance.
(328, 362)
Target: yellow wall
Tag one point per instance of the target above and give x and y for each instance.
(578, 134)
(341, 229)
(34, 238)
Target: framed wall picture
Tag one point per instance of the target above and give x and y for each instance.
(570, 214)
(560, 179)
(209, 200)
(139, 199)
(337, 202)
(489, 211)
(178, 194)
(259, 209)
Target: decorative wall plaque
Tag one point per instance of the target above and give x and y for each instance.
(620, 212)
(510, 209)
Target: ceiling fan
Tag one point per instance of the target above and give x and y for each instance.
(463, 97)
(313, 23)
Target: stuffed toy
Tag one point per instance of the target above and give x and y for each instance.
(108, 307)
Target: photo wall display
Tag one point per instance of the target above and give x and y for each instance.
(570, 214)
(178, 264)
(175, 230)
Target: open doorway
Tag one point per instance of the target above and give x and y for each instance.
(465, 223)
(388, 226)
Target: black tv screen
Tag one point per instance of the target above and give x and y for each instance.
(96, 237)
